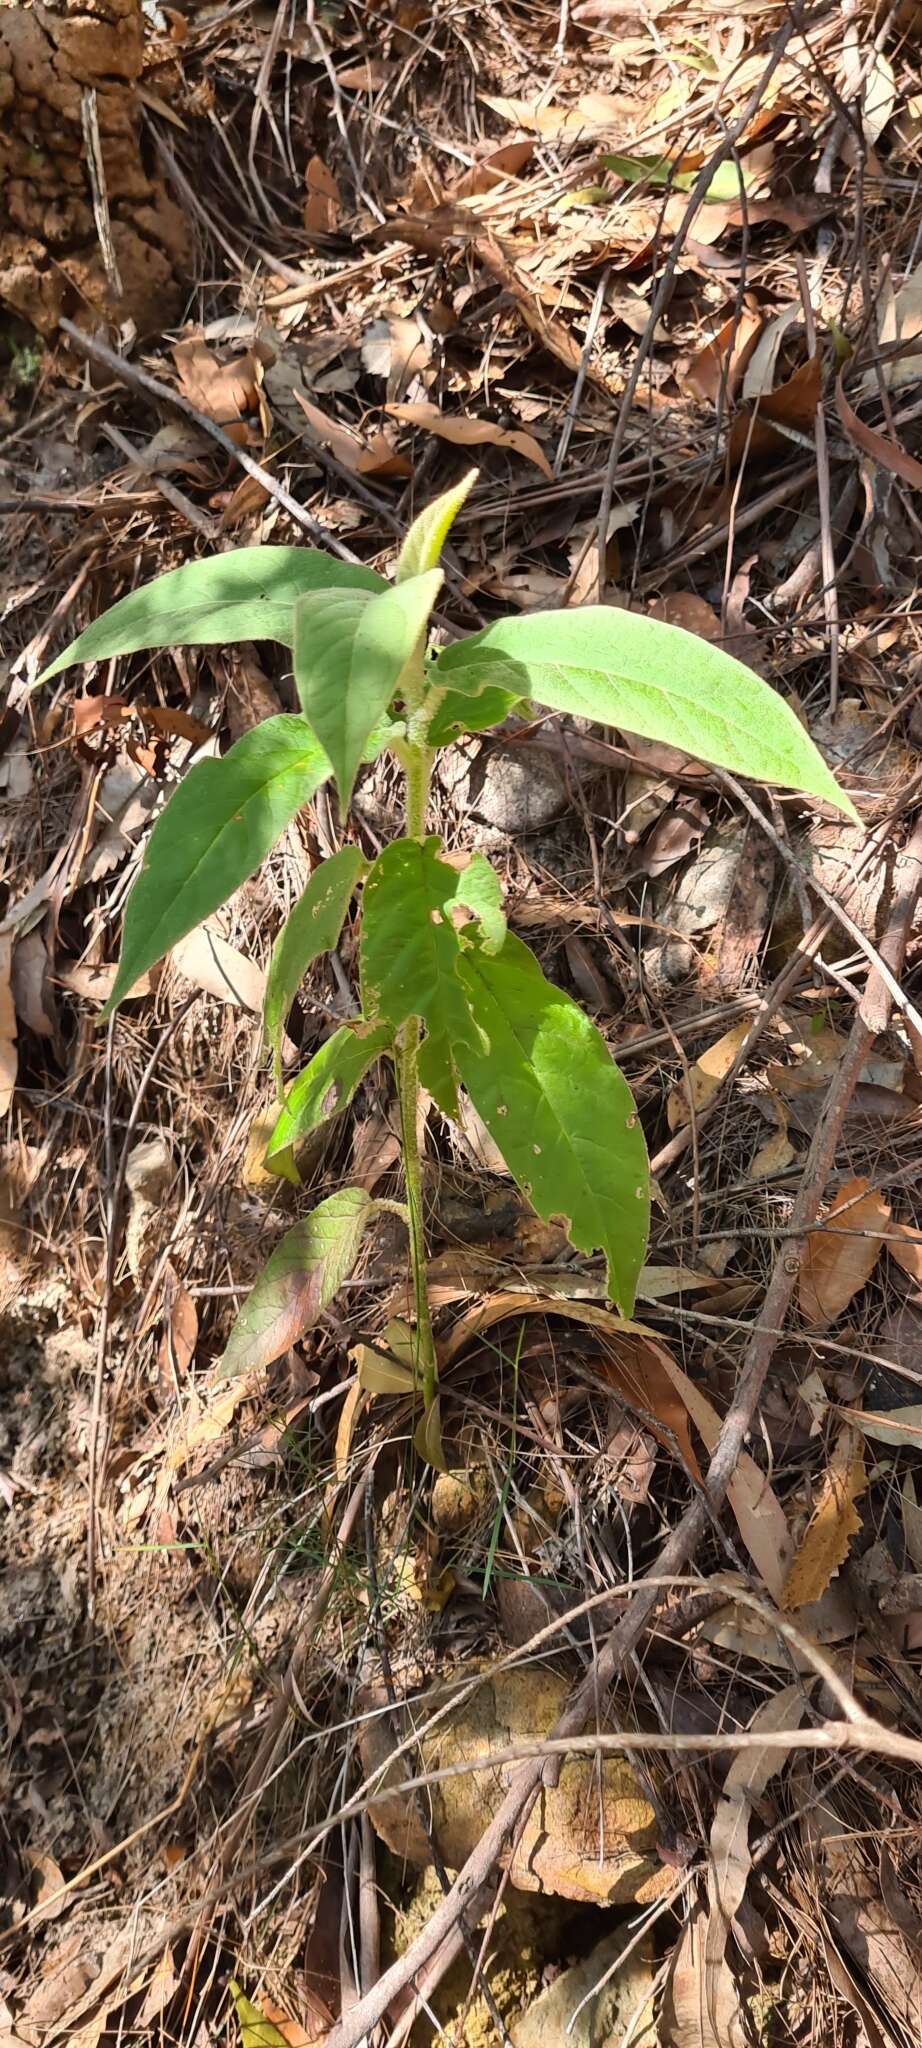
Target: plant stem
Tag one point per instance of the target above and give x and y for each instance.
(417, 762)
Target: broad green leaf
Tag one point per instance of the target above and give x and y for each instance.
(350, 650)
(429, 532)
(304, 1273)
(560, 1111)
(248, 594)
(409, 953)
(654, 680)
(255, 2032)
(216, 829)
(725, 186)
(380, 1375)
(459, 713)
(479, 889)
(328, 1082)
(311, 928)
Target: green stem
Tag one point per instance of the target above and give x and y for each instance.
(417, 760)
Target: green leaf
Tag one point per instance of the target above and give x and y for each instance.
(248, 594)
(459, 713)
(479, 889)
(654, 680)
(725, 186)
(255, 2032)
(328, 1082)
(409, 954)
(429, 532)
(311, 928)
(350, 650)
(380, 1375)
(560, 1111)
(304, 1273)
(216, 829)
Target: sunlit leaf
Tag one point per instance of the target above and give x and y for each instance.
(327, 1084)
(725, 186)
(350, 649)
(255, 2031)
(430, 529)
(409, 954)
(304, 1273)
(246, 594)
(459, 713)
(216, 829)
(558, 1108)
(311, 928)
(653, 679)
(427, 1437)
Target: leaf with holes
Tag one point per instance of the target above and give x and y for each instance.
(311, 928)
(216, 829)
(248, 594)
(304, 1273)
(350, 650)
(327, 1084)
(653, 679)
(560, 1111)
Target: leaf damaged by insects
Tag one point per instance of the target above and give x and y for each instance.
(303, 1274)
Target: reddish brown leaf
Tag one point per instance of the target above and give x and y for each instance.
(832, 1525)
(720, 364)
(837, 1260)
(322, 202)
(889, 454)
(794, 404)
(469, 433)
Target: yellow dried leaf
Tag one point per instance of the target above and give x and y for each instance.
(471, 433)
(706, 1075)
(772, 1157)
(832, 1525)
(837, 1259)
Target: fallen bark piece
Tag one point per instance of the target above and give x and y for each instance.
(590, 1837)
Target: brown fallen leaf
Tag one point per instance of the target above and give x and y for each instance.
(888, 454)
(705, 1076)
(470, 433)
(225, 392)
(837, 1260)
(321, 198)
(490, 170)
(832, 1525)
(95, 984)
(718, 367)
(905, 1246)
(597, 113)
(180, 1334)
(760, 1517)
(793, 404)
(730, 1861)
(378, 457)
(208, 960)
(700, 2009)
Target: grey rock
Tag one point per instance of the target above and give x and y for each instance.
(625, 2001)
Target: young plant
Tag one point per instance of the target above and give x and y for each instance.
(449, 996)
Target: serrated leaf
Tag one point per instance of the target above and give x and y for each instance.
(311, 928)
(216, 829)
(248, 594)
(427, 535)
(558, 1108)
(350, 650)
(409, 955)
(458, 713)
(652, 679)
(328, 1082)
(304, 1273)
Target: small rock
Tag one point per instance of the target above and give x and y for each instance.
(624, 2002)
(510, 789)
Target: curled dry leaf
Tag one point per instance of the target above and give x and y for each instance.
(839, 1258)
(759, 1514)
(321, 199)
(832, 1525)
(701, 2009)
(793, 404)
(889, 454)
(377, 457)
(211, 963)
(471, 433)
(718, 367)
(225, 392)
(705, 1077)
(905, 1246)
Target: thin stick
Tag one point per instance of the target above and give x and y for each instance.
(827, 551)
(139, 380)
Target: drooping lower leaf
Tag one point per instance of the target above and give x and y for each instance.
(216, 829)
(328, 1082)
(247, 594)
(350, 649)
(311, 928)
(304, 1273)
(430, 530)
(558, 1108)
(652, 679)
(409, 954)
